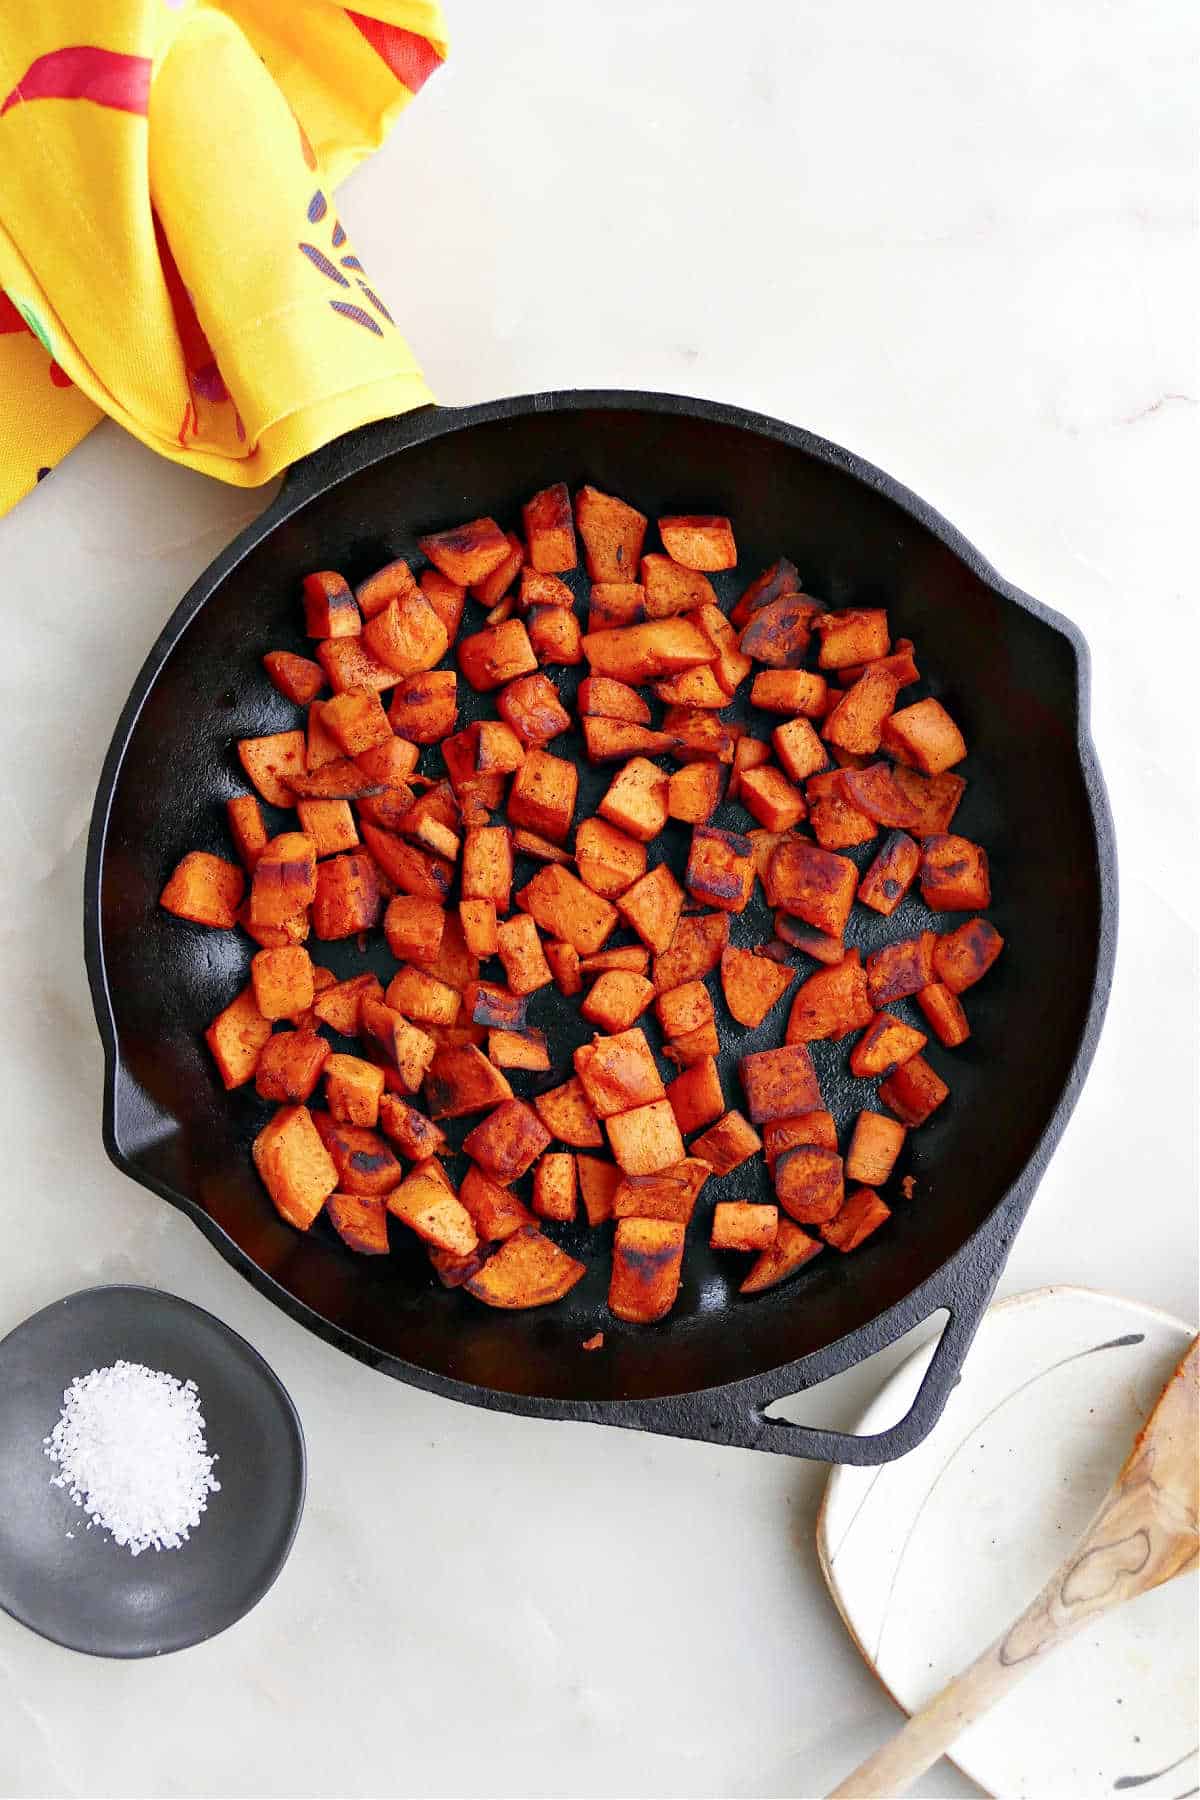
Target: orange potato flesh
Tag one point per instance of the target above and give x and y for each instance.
(460, 1080)
(523, 1049)
(885, 1044)
(954, 874)
(421, 997)
(555, 636)
(618, 1073)
(695, 1095)
(360, 1222)
(639, 653)
(862, 1213)
(670, 589)
(875, 1146)
(520, 950)
(425, 1203)
(652, 907)
(778, 634)
(268, 761)
(720, 869)
(290, 1065)
(646, 1266)
(543, 794)
(408, 636)
(779, 1083)
(743, 1225)
(770, 798)
(685, 1008)
(205, 890)
(934, 798)
(608, 859)
(791, 1250)
(415, 1136)
(636, 801)
(496, 1212)
(646, 1138)
(901, 968)
(808, 1183)
(247, 828)
(237, 1037)
(799, 749)
(730, 1142)
(467, 553)
(830, 1004)
(670, 1193)
(852, 636)
(752, 985)
(496, 655)
(945, 1015)
(813, 884)
(602, 697)
(554, 1186)
(914, 1091)
(567, 909)
(508, 1141)
(564, 962)
(614, 603)
(612, 533)
(527, 1270)
(295, 677)
(329, 608)
(530, 706)
(694, 792)
(617, 999)
(858, 719)
(963, 957)
(497, 582)
(694, 950)
(424, 708)
(295, 1167)
(567, 1113)
(891, 875)
(815, 1127)
(780, 579)
(699, 541)
(926, 735)
(549, 530)
(390, 582)
(598, 1183)
(282, 981)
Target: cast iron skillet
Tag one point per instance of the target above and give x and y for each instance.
(1013, 673)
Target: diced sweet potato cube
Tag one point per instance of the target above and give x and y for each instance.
(694, 792)
(614, 603)
(360, 1222)
(895, 970)
(612, 534)
(394, 580)
(408, 635)
(285, 880)
(667, 1194)
(520, 950)
(356, 720)
(646, 1266)
(538, 589)
(619, 1073)
(508, 1141)
(268, 762)
(495, 1211)
(564, 965)
(339, 779)
(487, 865)
(415, 1136)
(926, 735)
(815, 1127)
(330, 825)
(898, 663)
(554, 1185)
(862, 1213)
(406, 867)
(612, 740)
(652, 906)
(348, 663)
(700, 736)
(295, 677)
(692, 687)
(353, 1089)
(543, 794)
(295, 1167)
(413, 927)
(670, 589)
(604, 698)
(813, 884)
(914, 1091)
(885, 1044)
(639, 653)
(873, 790)
(290, 1066)
(790, 1251)
(954, 874)
(752, 985)
(411, 1050)
(496, 655)
(329, 608)
(530, 843)
(770, 798)
(486, 1004)
(778, 634)
(684, 1008)
(933, 798)
(694, 1046)
(447, 598)
(853, 636)
(338, 1006)
(496, 584)
(348, 897)
(636, 801)
(699, 541)
(945, 1015)
(467, 553)
(424, 707)
(795, 935)
(779, 1083)
(874, 1148)
(808, 1183)
(743, 1225)
(567, 1114)
(527, 1270)
(271, 936)
(523, 1049)
(425, 1202)
(206, 890)
(598, 1183)
(479, 926)
(630, 957)
(549, 531)
(567, 909)
(237, 1037)
(780, 579)
(247, 828)
(857, 721)
(609, 861)
(728, 1144)
(837, 825)
(695, 1095)
(500, 750)
(282, 981)
(799, 749)
(422, 998)
(720, 869)
(831, 1004)
(617, 999)
(963, 957)
(694, 951)
(554, 636)
(891, 874)
(731, 666)
(461, 1080)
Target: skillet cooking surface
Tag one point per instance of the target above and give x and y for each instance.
(1009, 676)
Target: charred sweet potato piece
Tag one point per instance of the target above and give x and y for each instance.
(780, 579)
(646, 1266)
(808, 1183)
(963, 957)
(813, 884)
(290, 1065)
(862, 1213)
(695, 1095)
(564, 964)
(895, 970)
(496, 655)
(461, 1080)
(348, 897)
(567, 1114)
(508, 1141)
(540, 589)
(543, 794)
(694, 792)
(447, 598)
(891, 874)
(831, 1004)
(428, 1205)
(811, 1128)
(467, 553)
(731, 666)
(601, 697)
(652, 906)
(613, 740)
(609, 861)
(247, 828)
(692, 687)
(495, 1210)
(524, 1049)
(854, 636)
(694, 1046)
(413, 927)
(954, 874)
(554, 1186)
(286, 879)
(670, 589)
(636, 801)
(294, 1166)
(394, 581)
(269, 761)
(795, 935)
(486, 1004)
(498, 748)
(770, 798)
(752, 985)
(295, 677)
(926, 735)
(415, 1136)
(875, 1145)
(837, 825)
(720, 869)
(520, 950)
(410, 1049)
(791, 1249)
(353, 1089)
(567, 909)
(496, 584)
(778, 634)
(639, 653)
(478, 919)
(360, 1222)
(856, 722)
(487, 865)
(527, 1270)
(728, 1144)
(598, 1183)
(406, 867)
(356, 721)
(612, 533)
(694, 950)
(667, 1194)
(529, 843)
(914, 1091)
(743, 1225)
(283, 981)
(885, 1045)
(779, 1083)
(798, 693)
(554, 636)
(338, 1006)
(873, 790)
(237, 1037)
(206, 890)
(349, 664)
(617, 999)
(799, 749)
(618, 1073)
(330, 825)
(363, 1162)
(424, 708)
(408, 635)
(421, 997)
(271, 936)
(329, 608)
(898, 663)
(698, 736)
(699, 540)
(945, 1015)
(684, 1008)
(613, 603)
(549, 531)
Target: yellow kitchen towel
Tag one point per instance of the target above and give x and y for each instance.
(170, 253)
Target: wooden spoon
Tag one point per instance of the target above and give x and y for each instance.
(1145, 1533)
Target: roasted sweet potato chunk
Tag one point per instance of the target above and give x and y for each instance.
(743, 1225)
(886, 1043)
(695, 1095)
(609, 860)
(283, 981)
(838, 826)
(895, 970)
(613, 740)
(954, 874)
(523, 1049)
(564, 963)
(795, 935)
(720, 869)
(554, 636)
(791, 1249)
(618, 1073)
(413, 927)
(945, 1014)
(694, 792)
(612, 533)
(854, 636)
(247, 828)
(598, 1183)
(531, 707)
(415, 1136)
(496, 1212)
(926, 735)
(778, 1083)
(963, 957)
(684, 1008)
(567, 1114)
(646, 1267)
(338, 1006)
(699, 541)
(496, 584)
(694, 950)
(543, 795)
(601, 697)
(799, 749)
(639, 653)
(549, 531)
(268, 762)
(410, 1049)
(875, 1145)
(692, 687)
(424, 708)
(667, 1194)
(891, 874)
(447, 598)
(899, 662)
(421, 997)
(286, 879)
(813, 884)
(353, 1090)
(348, 897)
(408, 635)
(394, 580)
(486, 1004)
(636, 802)
(752, 985)
(554, 1185)
(487, 865)
(567, 909)
(237, 1037)
(539, 589)
(527, 1270)
(652, 907)
(425, 1202)
(329, 608)
(360, 1222)
(815, 1127)
(508, 1141)
(857, 721)
(295, 677)
(808, 1183)
(617, 999)
(496, 655)
(461, 1080)
(731, 666)
(205, 890)
(614, 603)
(290, 1065)
(349, 664)
(830, 1004)
(670, 589)
(862, 1213)
(330, 825)
(294, 1165)
(730, 1142)
(874, 791)
(700, 736)
(778, 634)
(914, 1091)
(780, 579)
(406, 867)
(770, 798)
(467, 553)
(520, 950)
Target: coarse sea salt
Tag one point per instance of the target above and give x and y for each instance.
(130, 1446)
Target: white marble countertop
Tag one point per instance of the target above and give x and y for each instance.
(956, 240)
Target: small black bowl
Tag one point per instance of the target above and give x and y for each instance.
(87, 1592)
